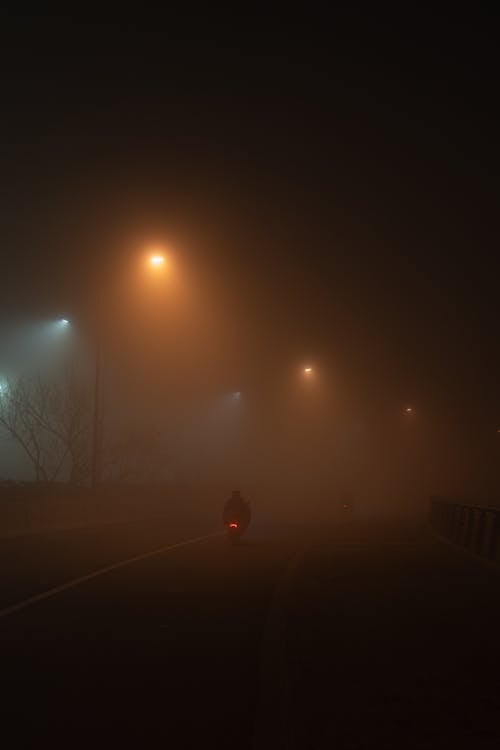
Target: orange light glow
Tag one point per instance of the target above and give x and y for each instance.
(157, 261)
(308, 369)
(233, 525)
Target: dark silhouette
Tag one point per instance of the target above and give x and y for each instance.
(237, 510)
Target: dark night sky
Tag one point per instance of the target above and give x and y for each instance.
(334, 183)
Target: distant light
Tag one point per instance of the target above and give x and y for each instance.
(308, 369)
(157, 260)
(64, 322)
(409, 410)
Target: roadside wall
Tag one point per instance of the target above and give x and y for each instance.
(26, 509)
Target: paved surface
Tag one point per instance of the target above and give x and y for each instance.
(362, 635)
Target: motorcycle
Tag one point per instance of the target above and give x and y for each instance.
(234, 531)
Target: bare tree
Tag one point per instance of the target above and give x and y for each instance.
(50, 422)
(69, 422)
(18, 419)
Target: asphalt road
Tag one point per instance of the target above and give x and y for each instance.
(362, 634)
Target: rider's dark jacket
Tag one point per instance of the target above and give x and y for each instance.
(237, 509)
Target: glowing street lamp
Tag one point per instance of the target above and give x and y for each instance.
(155, 261)
(409, 410)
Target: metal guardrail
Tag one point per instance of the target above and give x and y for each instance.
(477, 528)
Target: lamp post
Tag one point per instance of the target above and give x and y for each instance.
(156, 261)
(96, 416)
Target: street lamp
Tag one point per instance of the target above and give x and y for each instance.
(96, 414)
(157, 261)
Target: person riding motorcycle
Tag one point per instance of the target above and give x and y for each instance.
(237, 510)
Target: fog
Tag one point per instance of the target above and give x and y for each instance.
(219, 373)
(286, 247)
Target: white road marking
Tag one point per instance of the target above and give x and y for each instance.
(95, 574)
(372, 545)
